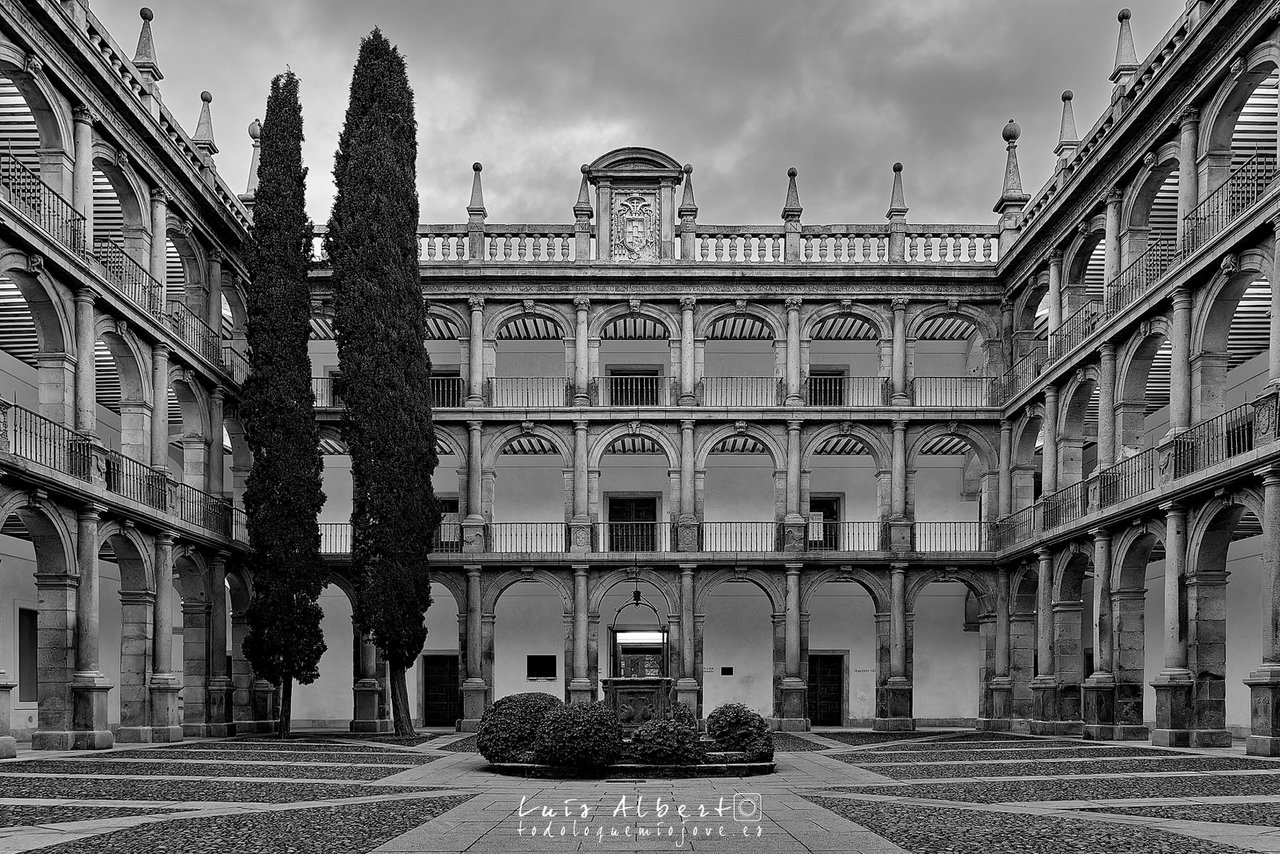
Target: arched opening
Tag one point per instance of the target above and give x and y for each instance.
(943, 635)
(1073, 653)
(630, 639)
(29, 129)
(1137, 627)
(951, 363)
(531, 645)
(634, 362)
(126, 606)
(1084, 271)
(737, 650)
(191, 641)
(1027, 470)
(740, 495)
(518, 495)
(839, 642)
(188, 455)
(1078, 442)
(1243, 127)
(1142, 395)
(633, 496)
(327, 702)
(436, 681)
(845, 365)
(19, 346)
(1229, 368)
(847, 496)
(742, 360)
(445, 346)
(951, 489)
(124, 416)
(531, 371)
(1023, 641)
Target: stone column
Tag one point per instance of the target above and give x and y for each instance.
(215, 293)
(1049, 452)
(474, 687)
(688, 685)
(1044, 686)
(1055, 290)
(581, 380)
(137, 608)
(367, 689)
(1180, 364)
(1001, 684)
(217, 451)
(1068, 665)
(159, 238)
(1273, 353)
(1099, 689)
(195, 668)
(898, 374)
(86, 403)
(1128, 618)
(88, 686)
(580, 687)
(794, 713)
(580, 526)
(165, 723)
(55, 660)
(1207, 654)
(473, 522)
(1188, 168)
(793, 351)
(82, 170)
(1111, 243)
(160, 408)
(1006, 467)
(1264, 683)
(1107, 407)
(898, 481)
(475, 356)
(893, 712)
(687, 517)
(219, 680)
(687, 345)
(1173, 684)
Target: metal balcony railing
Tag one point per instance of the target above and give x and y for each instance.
(335, 538)
(239, 525)
(1213, 441)
(1075, 329)
(635, 390)
(322, 391)
(42, 204)
(947, 536)
(1141, 275)
(528, 392)
(739, 537)
(829, 390)
(552, 537)
(235, 363)
(740, 391)
(136, 481)
(1127, 478)
(127, 276)
(951, 391)
(448, 392)
(832, 536)
(1221, 207)
(1022, 373)
(632, 537)
(1067, 505)
(1017, 527)
(33, 437)
(194, 332)
(197, 507)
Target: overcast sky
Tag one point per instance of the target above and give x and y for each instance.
(742, 89)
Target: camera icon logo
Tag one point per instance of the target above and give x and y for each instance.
(747, 807)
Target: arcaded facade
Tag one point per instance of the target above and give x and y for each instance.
(1016, 475)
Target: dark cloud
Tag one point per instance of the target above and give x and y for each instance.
(742, 89)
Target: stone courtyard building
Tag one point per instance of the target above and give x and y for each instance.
(1021, 475)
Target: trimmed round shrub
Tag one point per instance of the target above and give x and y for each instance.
(683, 714)
(760, 750)
(671, 742)
(507, 728)
(583, 735)
(735, 727)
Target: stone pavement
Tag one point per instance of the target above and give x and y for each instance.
(834, 791)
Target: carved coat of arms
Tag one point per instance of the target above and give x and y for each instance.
(635, 228)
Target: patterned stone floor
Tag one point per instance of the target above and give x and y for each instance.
(834, 791)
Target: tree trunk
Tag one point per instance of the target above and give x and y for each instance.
(401, 715)
(286, 706)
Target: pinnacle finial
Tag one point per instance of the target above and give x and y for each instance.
(1012, 196)
(688, 207)
(1126, 56)
(791, 210)
(475, 208)
(203, 137)
(255, 135)
(1067, 135)
(897, 200)
(145, 56)
(582, 207)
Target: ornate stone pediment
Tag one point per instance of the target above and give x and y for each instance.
(634, 226)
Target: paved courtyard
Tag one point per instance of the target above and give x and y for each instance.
(834, 791)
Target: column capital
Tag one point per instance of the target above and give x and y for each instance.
(581, 303)
(472, 570)
(897, 567)
(83, 114)
(687, 303)
(1189, 115)
(687, 568)
(1114, 197)
(1270, 475)
(899, 304)
(165, 538)
(159, 195)
(83, 295)
(1100, 534)
(793, 568)
(793, 425)
(899, 425)
(793, 303)
(1051, 391)
(1044, 554)
(579, 424)
(1107, 349)
(1054, 256)
(475, 425)
(579, 569)
(1182, 297)
(686, 423)
(160, 350)
(90, 512)
(214, 254)
(218, 394)
(1006, 426)
(476, 303)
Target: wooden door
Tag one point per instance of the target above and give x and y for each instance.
(633, 524)
(826, 689)
(441, 694)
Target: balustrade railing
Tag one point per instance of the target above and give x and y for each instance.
(524, 392)
(632, 537)
(1211, 442)
(1142, 273)
(740, 391)
(1128, 478)
(438, 243)
(1075, 329)
(846, 391)
(951, 391)
(322, 391)
(197, 507)
(947, 536)
(527, 537)
(448, 392)
(127, 276)
(529, 243)
(41, 204)
(1022, 373)
(335, 538)
(33, 437)
(1221, 207)
(759, 244)
(832, 536)
(958, 244)
(193, 331)
(235, 363)
(739, 537)
(136, 481)
(649, 390)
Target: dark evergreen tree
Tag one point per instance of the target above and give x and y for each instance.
(380, 322)
(283, 495)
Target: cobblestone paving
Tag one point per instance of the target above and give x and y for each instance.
(1004, 744)
(272, 770)
(233, 754)
(1261, 814)
(92, 789)
(273, 746)
(786, 742)
(858, 738)
(17, 816)
(1083, 789)
(919, 770)
(1078, 752)
(462, 745)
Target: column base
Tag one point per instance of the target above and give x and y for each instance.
(788, 724)
(365, 719)
(893, 725)
(8, 747)
(993, 725)
(1044, 706)
(581, 691)
(1174, 709)
(687, 692)
(374, 725)
(165, 726)
(52, 740)
(219, 694)
(474, 693)
(794, 698)
(469, 725)
(893, 705)
(1056, 727)
(220, 730)
(1001, 719)
(1264, 714)
(133, 735)
(1099, 693)
(89, 712)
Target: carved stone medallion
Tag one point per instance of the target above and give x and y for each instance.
(635, 227)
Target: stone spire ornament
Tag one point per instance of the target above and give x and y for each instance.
(255, 136)
(688, 207)
(1126, 56)
(475, 208)
(1068, 137)
(897, 200)
(145, 56)
(1011, 196)
(791, 210)
(203, 137)
(582, 207)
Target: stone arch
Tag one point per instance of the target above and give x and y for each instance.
(528, 308)
(50, 309)
(1023, 583)
(192, 573)
(616, 311)
(1075, 259)
(455, 583)
(495, 446)
(663, 582)
(1028, 301)
(133, 555)
(341, 580)
(1025, 432)
(47, 526)
(491, 592)
(1133, 360)
(193, 257)
(772, 446)
(874, 316)
(130, 191)
(1210, 529)
(864, 578)
(52, 115)
(977, 441)
(1135, 209)
(1075, 399)
(987, 327)
(191, 400)
(974, 581)
(873, 441)
(1131, 552)
(133, 362)
(670, 449)
(452, 439)
(771, 586)
(1069, 572)
(1215, 304)
(1218, 120)
(742, 308)
(240, 587)
(233, 294)
(460, 320)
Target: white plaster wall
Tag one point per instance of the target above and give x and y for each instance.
(17, 590)
(842, 619)
(853, 478)
(738, 632)
(858, 358)
(329, 701)
(946, 657)
(529, 620)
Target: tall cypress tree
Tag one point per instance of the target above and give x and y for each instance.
(283, 495)
(380, 321)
